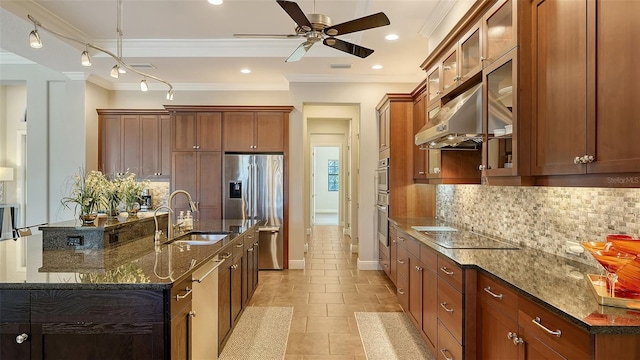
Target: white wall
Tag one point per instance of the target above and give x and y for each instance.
(13, 102)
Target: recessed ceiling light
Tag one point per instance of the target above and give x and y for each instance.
(245, 71)
(215, 2)
(376, 67)
(392, 37)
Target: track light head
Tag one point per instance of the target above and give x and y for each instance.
(143, 85)
(34, 39)
(115, 73)
(170, 95)
(85, 59)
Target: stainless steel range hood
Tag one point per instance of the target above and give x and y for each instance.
(458, 121)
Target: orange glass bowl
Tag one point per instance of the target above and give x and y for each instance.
(625, 243)
(612, 259)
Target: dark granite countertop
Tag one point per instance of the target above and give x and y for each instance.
(558, 284)
(138, 264)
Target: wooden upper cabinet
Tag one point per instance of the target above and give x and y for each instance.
(419, 155)
(434, 85)
(614, 85)
(254, 131)
(184, 129)
(199, 131)
(450, 76)
(384, 131)
(209, 131)
(470, 53)
(560, 86)
(269, 131)
(238, 130)
(136, 141)
(499, 30)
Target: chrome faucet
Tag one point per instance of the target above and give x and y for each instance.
(192, 205)
(158, 232)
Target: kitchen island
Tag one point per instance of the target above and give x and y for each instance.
(505, 303)
(131, 301)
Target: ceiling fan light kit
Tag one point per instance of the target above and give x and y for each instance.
(119, 68)
(319, 27)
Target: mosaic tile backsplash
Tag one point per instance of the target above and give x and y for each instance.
(543, 218)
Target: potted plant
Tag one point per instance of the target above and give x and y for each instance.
(86, 195)
(131, 192)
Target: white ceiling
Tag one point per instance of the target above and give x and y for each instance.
(190, 42)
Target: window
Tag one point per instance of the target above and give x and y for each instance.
(333, 175)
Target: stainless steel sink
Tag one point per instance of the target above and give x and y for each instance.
(200, 239)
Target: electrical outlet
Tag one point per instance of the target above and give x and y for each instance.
(573, 247)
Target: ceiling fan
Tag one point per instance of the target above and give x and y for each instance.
(318, 27)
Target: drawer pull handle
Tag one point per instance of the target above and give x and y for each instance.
(418, 268)
(250, 249)
(186, 294)
(238, 245)
(400, 291)
(538, 322)
(400, 238)
(444, 306)
(401, 261)
(21, 338)
(488, 291)
(446, 271)
(226, 255)
(444, 353)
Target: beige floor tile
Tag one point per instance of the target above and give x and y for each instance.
(326, 298)
(325, 280)
(314, 261)
(329, 357)
(387, 299)
(309, 310)
(308, 272)
(344, 309)
(354, 280)
(357, 298)
(344, 344)
(383, 307)
(324, 266)
(334, 325)
(308, 344)
(341, 288)
(293, 357)
(323, 256)
(298, 325)
(295, 298)
(372, 289)
(336, 261)
(309, 288)
(337, 273)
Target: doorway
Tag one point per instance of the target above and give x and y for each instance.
(325, 185)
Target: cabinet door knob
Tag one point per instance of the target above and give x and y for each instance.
(577, 160)
(192, 313)
(481, 167)
(250, 249)
(21, 338)
(193, 147)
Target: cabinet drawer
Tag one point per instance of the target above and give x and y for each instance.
(428, 257)
(383, 248)
(448, 348)
(249, 239)
(450, 271)
(498, 294)
(180, 296)
(384, 262)
(237, 247)
(554, 331)
(450, 310)
(403, 262)
(402, 291)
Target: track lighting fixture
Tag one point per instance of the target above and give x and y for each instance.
(84, 58)
(34, 38)
(120, 67)
(115, 71)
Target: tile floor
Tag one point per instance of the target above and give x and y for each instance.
(325, 296)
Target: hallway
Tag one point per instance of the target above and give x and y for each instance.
(325, 297)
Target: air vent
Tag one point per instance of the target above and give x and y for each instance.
(142, 66)
(341, 66)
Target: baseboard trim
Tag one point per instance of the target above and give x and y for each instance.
(369, 265)
(346, 231)
(354, 248)
(296, 264)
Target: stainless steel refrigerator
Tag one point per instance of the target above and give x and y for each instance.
(253, 190)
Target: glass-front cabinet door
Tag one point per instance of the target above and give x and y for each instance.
(434, 90)
(434, 163)
(450, 76)
(470, 53)
(499, 30)
(500, 117)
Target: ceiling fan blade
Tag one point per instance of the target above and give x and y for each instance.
(363, 23)
(348, 47)
(299, 52)
(267, 36)
(296, 14)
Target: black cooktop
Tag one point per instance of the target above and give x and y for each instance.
(467, 240)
